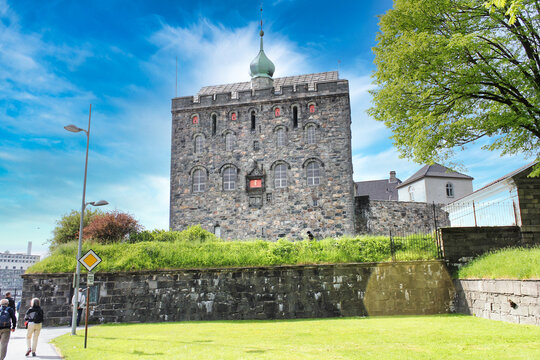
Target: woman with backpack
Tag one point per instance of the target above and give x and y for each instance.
(33, 320)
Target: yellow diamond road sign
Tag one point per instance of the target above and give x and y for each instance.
(90, 260)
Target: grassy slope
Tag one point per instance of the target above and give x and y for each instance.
(517, 263)
(416, 337)
(152, 255)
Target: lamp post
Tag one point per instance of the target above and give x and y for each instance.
(74, 128)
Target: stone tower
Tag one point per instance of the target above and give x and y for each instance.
(266, 159)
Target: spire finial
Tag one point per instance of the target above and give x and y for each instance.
(262, 32)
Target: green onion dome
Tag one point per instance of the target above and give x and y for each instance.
(261, 66)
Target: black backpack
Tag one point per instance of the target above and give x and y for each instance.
(5, 318)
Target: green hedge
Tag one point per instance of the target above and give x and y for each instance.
(197, 248)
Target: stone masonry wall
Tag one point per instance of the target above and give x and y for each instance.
(379, 217)
(529, 204)
(461, 244)
(283, 292)
(327, 209)
(507, 300)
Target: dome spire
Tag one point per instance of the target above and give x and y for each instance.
(261, 68)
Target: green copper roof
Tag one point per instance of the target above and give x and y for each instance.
(261, 66)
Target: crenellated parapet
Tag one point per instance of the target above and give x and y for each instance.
(239, 93)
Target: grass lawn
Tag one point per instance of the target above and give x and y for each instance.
(512, 263)
(413, 337)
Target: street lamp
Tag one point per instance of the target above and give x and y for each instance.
(74, 128)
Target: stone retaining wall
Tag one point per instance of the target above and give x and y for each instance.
(284, 292)
(464, 243)
(507, 300)
(379, 217)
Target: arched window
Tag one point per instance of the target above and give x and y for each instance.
(233, 116)
(277, 112)
(313, 173)
(199, 144)
(229, 142)
(280, 176)
(195, 119)
(253, 121)
(199, 181)
(449, 190)
(411, 193)
(311, 108)
(280, 137)
(310, 134)
(295, 116)
(214, 124)
(229, 178)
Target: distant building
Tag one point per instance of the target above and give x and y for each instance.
(435, 184)
(12, 266)
(385, 189)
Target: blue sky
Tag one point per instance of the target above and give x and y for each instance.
(57, 57)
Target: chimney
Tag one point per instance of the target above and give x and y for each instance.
(29, 250)
(392, 177)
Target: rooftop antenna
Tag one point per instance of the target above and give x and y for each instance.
(176, 87)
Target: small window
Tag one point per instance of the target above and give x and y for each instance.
(253, 125)
(280, 135)
(277, 112)
(195, 119)
(229, 179)
(280, 176)
(311, 138)
(199, 144)
(256, 145)
(295, 116)
(234, 116)
(411, 193)
(315, 202)
(313, 173)
(214, 124)
(449, 190)
(229, 142)
(311, 108)
(199, 181)
(269, 198)
(217, 231)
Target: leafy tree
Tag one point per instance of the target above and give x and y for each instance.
(67, 228)
(111, 227)
(450, 72)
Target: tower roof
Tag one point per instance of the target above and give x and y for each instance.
(261, 66)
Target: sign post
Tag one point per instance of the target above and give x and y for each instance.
(89, 260)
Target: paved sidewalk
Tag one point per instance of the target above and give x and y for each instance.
(17, 343)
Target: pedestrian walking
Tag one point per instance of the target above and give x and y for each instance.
(80, 306)
(33, 321)
(10, 300)
(8, 322)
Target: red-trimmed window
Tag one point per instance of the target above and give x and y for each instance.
(233, 116)
(311, 108)
(277, 112)
(195, 119)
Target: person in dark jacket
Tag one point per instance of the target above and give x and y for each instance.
(8, 323)
(10, 300)
(33, 320)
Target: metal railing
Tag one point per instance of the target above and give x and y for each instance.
(488, 213)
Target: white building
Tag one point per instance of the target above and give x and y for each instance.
(435, 184)
(12, 266)
(496, 204)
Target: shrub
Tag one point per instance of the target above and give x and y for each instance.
(111, 227)
(67, 228)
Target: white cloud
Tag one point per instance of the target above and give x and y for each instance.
(378, 166)
(213, 54)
